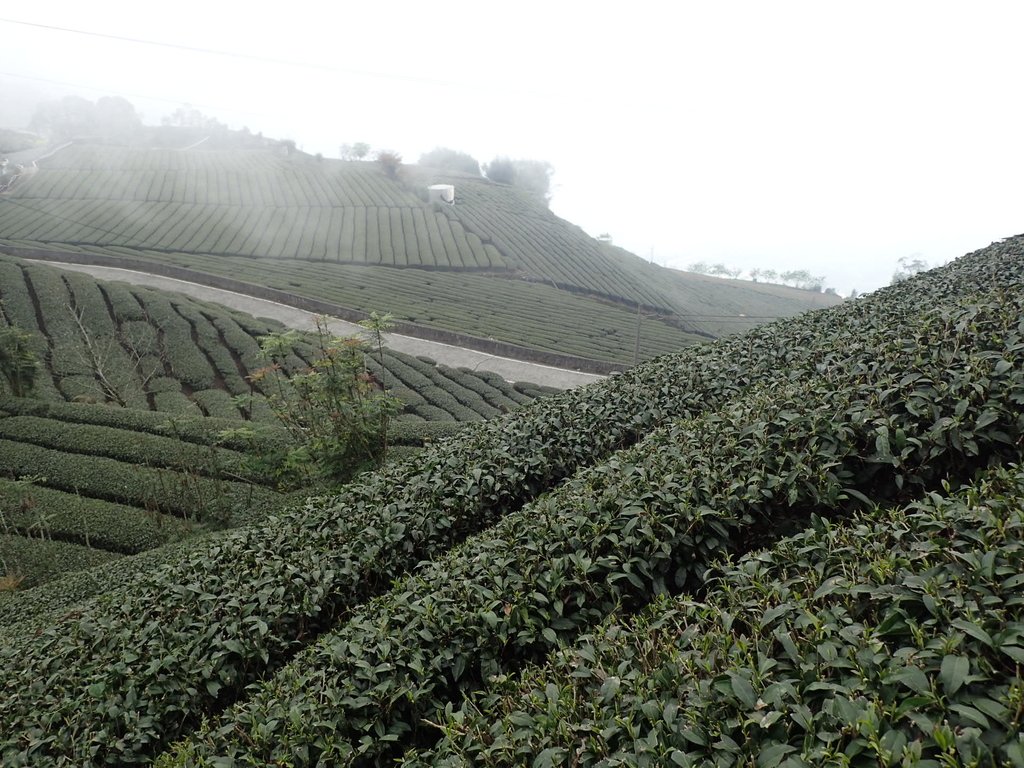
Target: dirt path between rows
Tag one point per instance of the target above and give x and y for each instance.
(456, 357)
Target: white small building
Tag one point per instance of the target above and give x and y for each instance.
(442, 193)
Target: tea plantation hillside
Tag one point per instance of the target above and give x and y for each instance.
(142, 348)
(496, 265)
(892, 639)
(82, 485)
(119, 449)
(396, 620)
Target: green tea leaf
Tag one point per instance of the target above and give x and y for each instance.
(953, 672)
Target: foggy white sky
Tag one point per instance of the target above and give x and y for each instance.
(816, 135)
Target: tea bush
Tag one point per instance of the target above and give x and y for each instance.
(893, 639)
(916, 381)
(650, 520)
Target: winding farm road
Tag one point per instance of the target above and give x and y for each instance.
(456, 357)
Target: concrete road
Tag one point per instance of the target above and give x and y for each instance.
(456, 357)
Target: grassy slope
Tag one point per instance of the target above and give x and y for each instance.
(881, 398)
(264, 208)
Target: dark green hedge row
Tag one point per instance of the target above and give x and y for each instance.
(139, 448)
(243, 342)
(440, 393)
(123, 303)
(19, 311)
(216, 403)
(420, 433)
(186, 495)
(91, 365)
(429, 412)
(79, 388)
(33, 561)
(198, 430)
(26, 611)
(213, 346)
(176, 403)
(260, 592)
(410, 397)
(500, 398)
(186, 359)
(532, 391)
(103, 346)
(894, 640)
(404, 374)
(38, 511)
(90, 301)
(511, 390)
(651, 519)
(443, 399)
(456, 386)
(48, 289)
(467, 395)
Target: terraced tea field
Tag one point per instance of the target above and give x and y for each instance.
(465, 309)
(264, 205)
(496, 265)
(601, 575)
(118, 452)
(77, 492)
(142, 348)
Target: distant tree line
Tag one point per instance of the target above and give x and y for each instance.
(390, 162)
(908, 266)
(110, 119)
(533, 176)
(357, 151)
(114, 120)
(446, 159)
(798, 278)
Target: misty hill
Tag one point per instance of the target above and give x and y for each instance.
(490, 265)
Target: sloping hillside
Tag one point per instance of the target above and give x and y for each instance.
(715, 306)
(86, 484)
(137, 347)
(346, 233)
(363, 628)
(116, 452)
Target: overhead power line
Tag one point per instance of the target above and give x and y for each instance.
(177, 46)
(255, 57)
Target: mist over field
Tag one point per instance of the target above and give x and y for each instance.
(752, 137)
